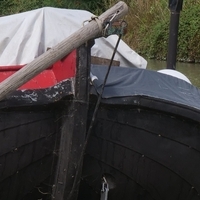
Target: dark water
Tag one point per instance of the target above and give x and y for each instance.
(192, 71)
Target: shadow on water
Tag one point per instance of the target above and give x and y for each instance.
(192, 71)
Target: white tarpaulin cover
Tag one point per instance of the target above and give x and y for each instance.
(27, 35)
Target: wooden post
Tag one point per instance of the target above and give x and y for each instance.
(73, 131)
(90, 31)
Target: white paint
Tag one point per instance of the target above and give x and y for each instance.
(175, 73)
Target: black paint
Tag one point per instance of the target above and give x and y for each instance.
(151, 154)
(73, 130)
(175, 7)
(28, 139)
(42, 132)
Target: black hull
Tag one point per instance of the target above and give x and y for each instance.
(29, 141)
(150, 154)
(30, 132)
(41, 136)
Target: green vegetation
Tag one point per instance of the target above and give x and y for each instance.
(148, 22)
(149, 29)
(8, 7)
(189, 34)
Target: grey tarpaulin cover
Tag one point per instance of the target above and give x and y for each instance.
(127, 82)
(25, 36)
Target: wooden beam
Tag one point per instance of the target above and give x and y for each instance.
(73, 132)
(90, 31)
(103, 61)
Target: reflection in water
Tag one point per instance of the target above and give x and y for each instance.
(192, 71)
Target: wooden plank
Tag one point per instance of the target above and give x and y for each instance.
(22, 182)
(73, 132)
(90, 31)
(103, 61)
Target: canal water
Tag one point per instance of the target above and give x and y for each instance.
(192, 71)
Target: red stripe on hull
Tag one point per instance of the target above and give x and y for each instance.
(61, 70)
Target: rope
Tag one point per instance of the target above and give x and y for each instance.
(76, 180)
(100, 24)
(98, 21)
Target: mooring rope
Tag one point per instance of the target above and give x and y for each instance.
(79, 166)
(98, 21)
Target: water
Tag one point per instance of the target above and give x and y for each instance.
(192, 71)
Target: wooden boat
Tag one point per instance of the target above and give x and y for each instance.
(43, 111)
(43, 129)
(35, 124)
(143, 145)
(145, 140)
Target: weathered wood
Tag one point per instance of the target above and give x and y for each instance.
(73, 132)
(91, 30)
(103, 61)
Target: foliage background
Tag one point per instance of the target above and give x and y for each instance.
(148, 22)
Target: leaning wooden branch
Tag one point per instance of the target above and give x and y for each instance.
(90, 31)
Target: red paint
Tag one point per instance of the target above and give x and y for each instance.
(61, 70)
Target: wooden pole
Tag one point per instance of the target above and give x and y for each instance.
(90, 31)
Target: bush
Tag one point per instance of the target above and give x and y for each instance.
(16, 6)
(148, 23)
(189, 34)
(149, 29)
